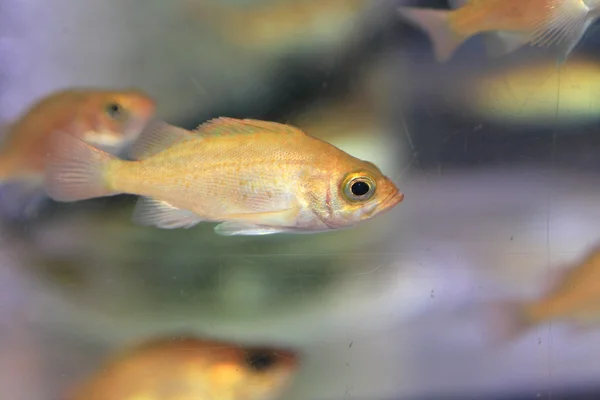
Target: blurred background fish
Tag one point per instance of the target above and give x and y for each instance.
(183, 368)
(523, 94)
(536, 22)
(280, 24)
(574, 298)
(107, 119)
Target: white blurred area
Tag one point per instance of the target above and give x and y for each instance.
(400, 310)
(408, 327)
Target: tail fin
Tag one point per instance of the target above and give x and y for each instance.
(4, 168)
(435, 22)
(506, 321)
(21, 201)
(75, 170)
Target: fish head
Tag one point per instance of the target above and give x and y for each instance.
(357, 191)
(117, 117)
(191, 368)
(252, 373)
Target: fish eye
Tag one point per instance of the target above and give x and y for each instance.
(260, 360)
(116, 111)
(359, 188)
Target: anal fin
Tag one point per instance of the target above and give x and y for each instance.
(163, 215)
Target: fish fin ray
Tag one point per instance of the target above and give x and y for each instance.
(162, 214)
(75, 170)
(566, 26)
(232, 228)
(156, 137)
(232, 126)
(437, 25)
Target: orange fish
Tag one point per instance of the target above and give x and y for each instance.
(255, 177)
(107, 119)
(536, 22)
(575, 298)
(192, 369)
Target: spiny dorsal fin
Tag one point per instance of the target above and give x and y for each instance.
(232, 126)
(156, 137)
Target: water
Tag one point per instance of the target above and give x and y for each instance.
(393, 308)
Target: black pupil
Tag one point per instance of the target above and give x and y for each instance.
(261, 361)
(360, 188)
(114, 109)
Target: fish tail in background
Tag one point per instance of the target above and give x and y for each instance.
(75, 170)
(4, 168)
(21, 201)
(505, 321)
(565, 28)
(437, 25)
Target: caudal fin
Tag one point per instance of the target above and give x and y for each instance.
(21, 200)
(505, 321)
(436, 23)
(75, 170)
(4, 168)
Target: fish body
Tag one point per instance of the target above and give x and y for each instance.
(108, 119)
(255, 177)
(186, 369)
(576, 298)
(515, 23)
(280, 23)
(537, 94)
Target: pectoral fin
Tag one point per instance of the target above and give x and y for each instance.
(163, 215)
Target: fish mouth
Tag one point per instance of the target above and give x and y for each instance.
(392, 200)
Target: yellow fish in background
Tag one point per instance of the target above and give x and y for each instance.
(255, 177)
(108, 119)
(517, 22)
(279, 24)
(534, 94)
(191, 369)
(575, 298)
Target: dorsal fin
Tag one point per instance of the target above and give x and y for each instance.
(232, 126)
(156, 137)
